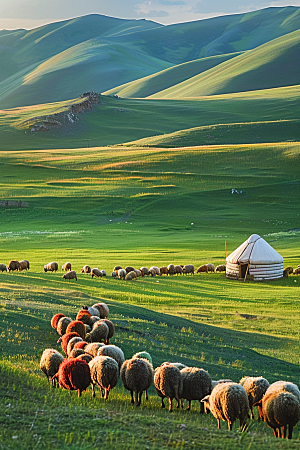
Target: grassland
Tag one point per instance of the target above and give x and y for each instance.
(139, 206)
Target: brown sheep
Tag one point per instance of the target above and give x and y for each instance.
(221, 268)
(171, 269)
(178, 270)
(163, 270)
(296, 271)
(202, 268)
(86, 269)
(24, 265)
(70, 275)
(13, 265)
(286, 272)
(66, 267)
(129, 269)
(96, 273)
(291, 270)
(145, 271)
(51, 267)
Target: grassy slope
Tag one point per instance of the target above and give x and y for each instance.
(105, 52)
(271, 65)
(126, 120)
(135, 206)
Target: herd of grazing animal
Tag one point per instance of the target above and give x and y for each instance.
(92, 361)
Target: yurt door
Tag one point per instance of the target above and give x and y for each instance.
(243, 270)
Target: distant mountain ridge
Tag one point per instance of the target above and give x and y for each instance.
(63, 59)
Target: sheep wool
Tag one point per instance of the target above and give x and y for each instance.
(197, 383)
(63, 340)
(84, 316)
(144, 355)
(75, 352)
(3, 267)
(255, 388)
(72, 342)
(85, 357)
(114, 352)
(55, 319)
(228, 402)
(78, 327)
(111, 329)
(168, 383)
(103, 309)
(136, 376)
(99, 333)
(73, 374)
(50, 362)
(104, 373)
(93, 311)
(62, 325)
(92, 348)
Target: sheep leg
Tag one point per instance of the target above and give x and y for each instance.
(146, 395)
(139, 398)
(284, 432)
(162, 403)
(102, 392)
(189, 407)
(132, 399)
(219, 423)
(170, 405)
(106, 394)
(252, 413)
(230, 426)
(201, 408)
(136, 398)
(93, 390)
(289, 436)
(79, 392)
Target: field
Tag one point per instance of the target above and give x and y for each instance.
(144, 206)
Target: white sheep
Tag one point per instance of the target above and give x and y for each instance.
(105, 373)
(50, 362)
(255, 388)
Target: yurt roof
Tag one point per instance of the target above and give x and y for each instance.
(255, 250)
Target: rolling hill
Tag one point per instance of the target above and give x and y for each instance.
(61, 60)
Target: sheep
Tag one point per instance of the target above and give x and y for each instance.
(296, 271)
(103, 309)
(221, 268)
(105, 373)
(84, 316)
(96, 273)
(50, 362)
(168, 383)
(279, 408)
(255, 388)
(103, 272)
(188, 268)
(116, 268)
(202, 268)
(211, 267)
(85, 357)
(155, 270)
(114, 274)
(179, 365)
(78, 327)
(131, 276)
(171, 269)
(228, 402)
(286, 386)
(129, 269)
(93, 320)
(63, 340)
(144, 355)
(197, 383)
(73, 374)
(92, 348)
(145, 271)
(178, 270)
(51, 267)
(3, 267)
(75, 352)
(93, 311)
(55, 319)
(80, 344)
(13, 265)
(66, 267)
(86, 269)
(122, 274)
(163, 270)
(111, 329)
(70, 275)
(138, 273)
(24, 265)
(136, 375)
(62, 325)
(290, 269)
(99, 332)
(113, 352)
(74, 340)
(286, 273)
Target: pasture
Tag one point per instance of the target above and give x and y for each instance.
(144, 206)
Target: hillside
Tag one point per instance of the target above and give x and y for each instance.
(57, 61)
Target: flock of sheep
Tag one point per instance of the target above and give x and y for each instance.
(92, 360)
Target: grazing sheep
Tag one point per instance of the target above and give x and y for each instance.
(255, 388)
(116, 268)
(55, 319)
(197, 383)
(221, 268)
(24, 265)
(75, 352)
(113, 352)
(138, 273)
(62, 325)
(73, 374)
(188, 268)
(210, 267)
(111, 329)
(105, 373)
(3, 267)
(51, 267)
(145, 271)
(287, 386)
(296, 271)
(136, 375)
(84, 316)
(228, 402)
(279, 408)
(86, 269)
(93, 320)
(66, 267)
(13, 265)
(80, 344)
(154, 270)
(168, 383)
(290, 269)
(131, 276)
(50, 362)
(171, 269)
(178, 270)
(92, 348)
(129, 269)
(70, 275)
(122, 274)
(96, 273)
(78, 327)
(202, 268)
(99, 332)
(63, 340)
(85, 357)
(103, 272)
(163, 270)
(286, 273)
(114, 274)
(74, 340)
(103, 309)
(93, 311)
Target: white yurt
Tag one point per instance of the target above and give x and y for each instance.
(254, 259)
